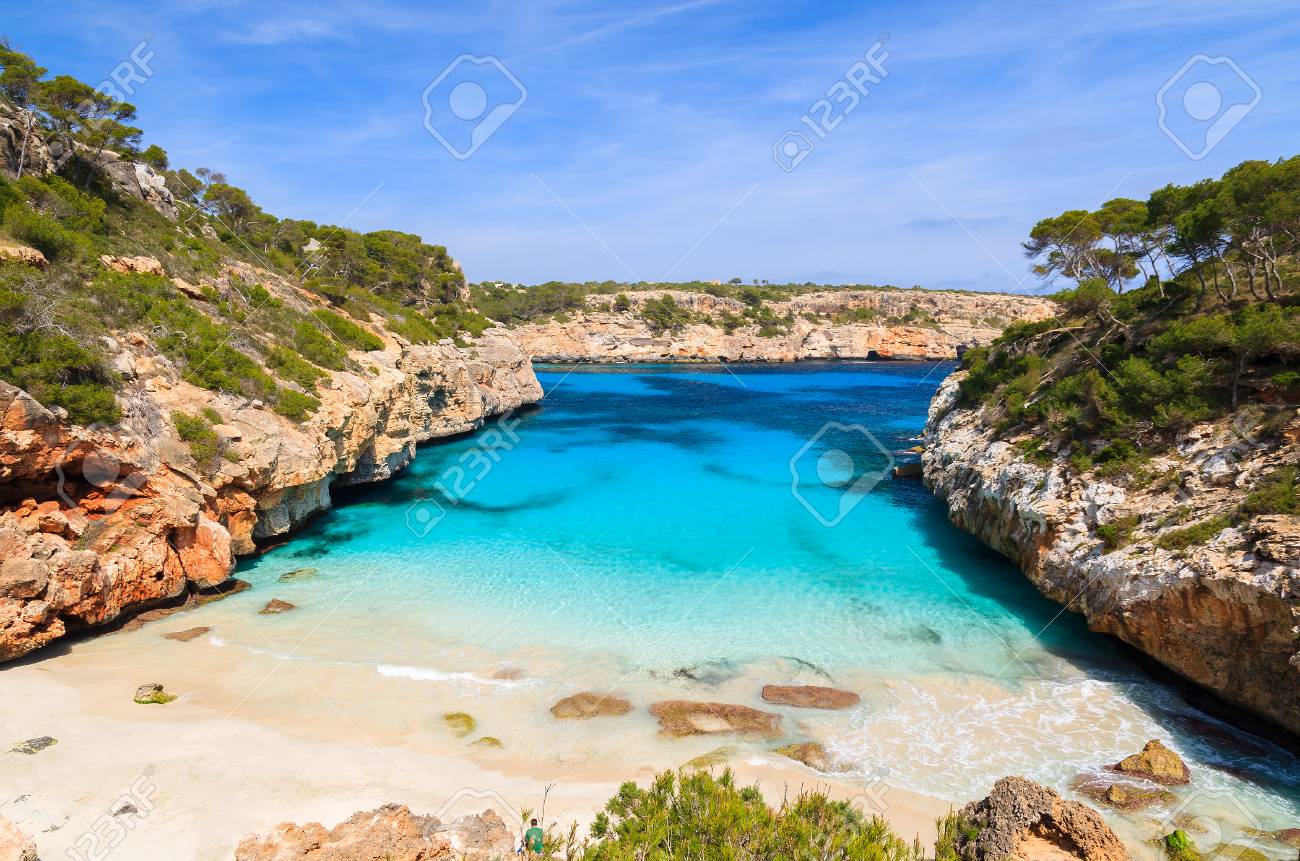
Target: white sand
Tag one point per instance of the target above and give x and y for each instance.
(255, 740)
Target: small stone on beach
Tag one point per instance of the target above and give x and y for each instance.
(147, 695)
(460, 723)
(34, 745)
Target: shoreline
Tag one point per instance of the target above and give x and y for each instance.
(225, 766)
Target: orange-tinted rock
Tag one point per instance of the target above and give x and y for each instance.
(275, 606)
(24, 255)
(810, 753)
(142, 265)
(810, 696)
(688, 717)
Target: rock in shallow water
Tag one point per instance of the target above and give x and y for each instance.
(1022, 820)
(1155, 762)
(810, 696)
(460, 723)
(275, 606)
(686, 717)
(589, 705)
(188, 634)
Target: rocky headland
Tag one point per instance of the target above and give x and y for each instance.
(1223, 613)
(833, 324)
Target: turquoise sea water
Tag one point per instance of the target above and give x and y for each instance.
(664, 529)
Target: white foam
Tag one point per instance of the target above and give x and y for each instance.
(428, 674)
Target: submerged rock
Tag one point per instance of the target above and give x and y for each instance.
(686, 717)
(14, 844)
(390, 833)
(1287, 836)
(298, 574)
(1155, 762)
(460, 723)
(34, 745)
(810, 696)
(589, 705)
(147, 695)
(717, 756)
(1022, 820)
(275, 606)
(1125, 797)
(188, 634)
(487, 741)
(810, 753)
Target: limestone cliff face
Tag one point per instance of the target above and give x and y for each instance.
(952, 321)
(100, 522)
(1224, 613)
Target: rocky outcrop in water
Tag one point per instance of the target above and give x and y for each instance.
(847, 324)
(1023, 821)
(1223, 612)
(99, 523)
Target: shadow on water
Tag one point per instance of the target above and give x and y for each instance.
(1064, 634)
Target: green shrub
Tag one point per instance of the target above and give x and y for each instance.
(695, 815)
(201, 347)
(350, 333)
(1118, 532)
(55, 369)
(205, 445)
(292, 367)
(295, 406)
(1276, 494)
(316, 346)
(1197, 533)
(41, 232)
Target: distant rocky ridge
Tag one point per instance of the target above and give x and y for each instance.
(952, 322)
(74, 555)
(1224, 613)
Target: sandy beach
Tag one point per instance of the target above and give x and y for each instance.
(254, 740)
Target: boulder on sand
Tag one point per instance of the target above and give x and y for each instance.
(810, 753)
(148, 695)
(1022, 820)
(687, 717)
(589, 705)
(390, 833)
(1155, 762)
(810, 696)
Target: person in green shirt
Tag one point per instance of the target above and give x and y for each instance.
(533, 838)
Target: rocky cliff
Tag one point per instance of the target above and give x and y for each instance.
(1222, 610)
(97, 523)
(841, 324)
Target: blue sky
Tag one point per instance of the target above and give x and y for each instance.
(644, 144)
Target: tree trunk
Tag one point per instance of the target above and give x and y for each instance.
(22, 152)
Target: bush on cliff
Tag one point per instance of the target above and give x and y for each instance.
(697, 815)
